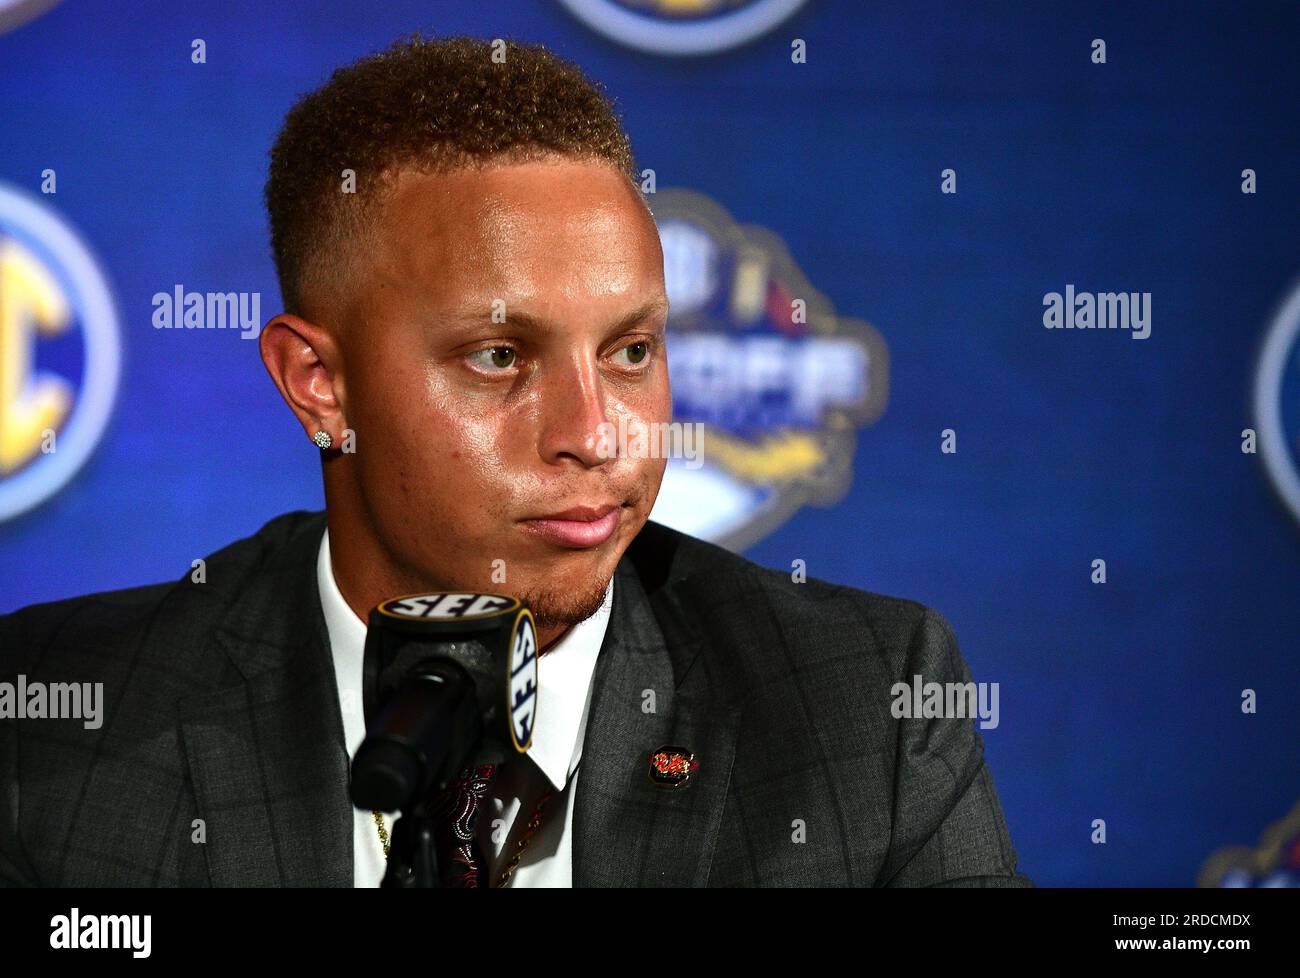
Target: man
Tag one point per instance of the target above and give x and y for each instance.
(473, 288)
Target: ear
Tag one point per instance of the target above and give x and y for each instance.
(304, 361)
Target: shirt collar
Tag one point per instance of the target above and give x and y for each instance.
(564, 672)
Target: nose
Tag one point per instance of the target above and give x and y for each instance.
(573, 411)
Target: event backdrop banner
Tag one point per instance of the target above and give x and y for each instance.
(991, 306)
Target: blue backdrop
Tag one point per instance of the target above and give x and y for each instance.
(1119, 701)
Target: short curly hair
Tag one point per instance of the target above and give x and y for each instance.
(432, 105)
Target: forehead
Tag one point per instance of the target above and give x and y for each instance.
(515, 231)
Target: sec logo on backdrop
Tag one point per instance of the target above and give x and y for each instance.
(778, 382)
(1273, 864)
(1277, 402)
(15, 13)
(682, 27)
(59, 352)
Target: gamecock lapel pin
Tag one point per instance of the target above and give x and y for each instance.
(672, 767)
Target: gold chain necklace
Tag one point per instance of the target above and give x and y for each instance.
(530, 830)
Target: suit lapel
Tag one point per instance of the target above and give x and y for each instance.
(267, 755)
(651, 689)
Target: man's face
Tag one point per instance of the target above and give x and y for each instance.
(505, 315)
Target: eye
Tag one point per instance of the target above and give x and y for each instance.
(637, 353)
(494, 357)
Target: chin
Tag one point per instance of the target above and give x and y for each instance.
(566, 602)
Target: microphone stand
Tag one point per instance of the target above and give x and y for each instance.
(412, 853)
(427, 730)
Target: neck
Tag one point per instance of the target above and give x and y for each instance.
(546, 638)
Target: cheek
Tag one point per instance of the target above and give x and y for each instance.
(456, 455)
(468, 450)
(648, 404)
(416, 449)
(659, 397)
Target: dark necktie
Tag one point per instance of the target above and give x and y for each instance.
(460, 860)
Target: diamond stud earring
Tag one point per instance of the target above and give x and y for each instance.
(322, 439)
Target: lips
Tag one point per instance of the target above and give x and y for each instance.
(578, 527)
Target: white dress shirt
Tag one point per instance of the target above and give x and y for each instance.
(564, 676)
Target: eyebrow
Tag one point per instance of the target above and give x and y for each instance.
(541, 324)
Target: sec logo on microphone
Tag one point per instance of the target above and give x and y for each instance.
(522, 681)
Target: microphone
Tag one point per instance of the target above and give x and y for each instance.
(449, 677)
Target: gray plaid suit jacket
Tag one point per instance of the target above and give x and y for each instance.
(220, 705)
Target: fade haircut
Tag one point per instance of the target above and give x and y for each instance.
(429, 105)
